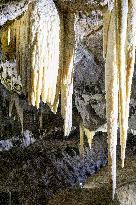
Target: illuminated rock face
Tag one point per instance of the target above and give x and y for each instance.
(42, 42)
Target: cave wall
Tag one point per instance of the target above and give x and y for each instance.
(89, 89)
(89, 79)
(88, 106)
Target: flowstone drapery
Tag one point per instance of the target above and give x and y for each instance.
(42, 41)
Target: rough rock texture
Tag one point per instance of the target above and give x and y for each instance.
(11, 127)
(97, 190)
(10, 10)
(47, 166)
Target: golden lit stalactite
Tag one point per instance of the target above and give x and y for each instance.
(130, 53)
(111, 87)
(106, 23)
(67, 73)
(20, 32)
(32, 74)
(89, 134)
(121, 8)
(37, 36)
(61, 55)
(40, 67)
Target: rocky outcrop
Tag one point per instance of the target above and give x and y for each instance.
(10, 10)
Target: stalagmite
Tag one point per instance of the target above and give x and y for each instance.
(121, 8)
(111, 87)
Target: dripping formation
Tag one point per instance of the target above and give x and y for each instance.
(42, 42)
(119, 51)
(89, 134)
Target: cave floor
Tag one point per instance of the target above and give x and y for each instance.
(97, 190)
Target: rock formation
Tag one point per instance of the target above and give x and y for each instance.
(37, 56)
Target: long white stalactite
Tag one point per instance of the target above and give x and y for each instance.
(67, 72)
(121, 9)
(119, 67)
(111, 87)
(130, 54)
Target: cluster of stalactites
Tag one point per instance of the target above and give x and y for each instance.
(44, 45)
(119, 52)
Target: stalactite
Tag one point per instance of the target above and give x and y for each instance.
(20, 32)
(44, 56)
(120, 59)
(130, 55)
(106, 22)
(121, 7)
(67, 73)
(89, 134)
(111, 87)
(42, 42)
